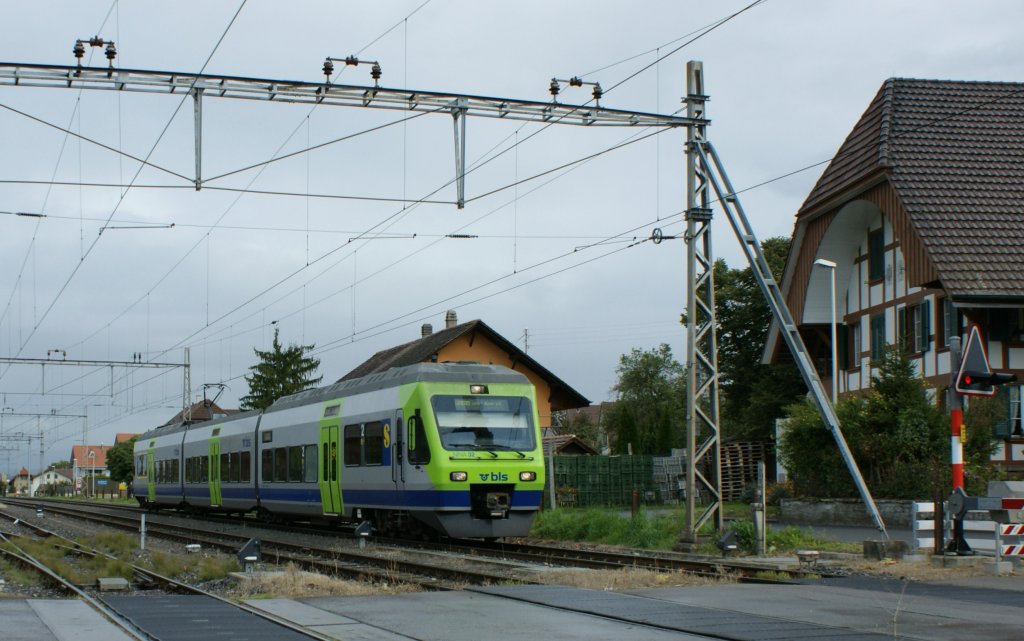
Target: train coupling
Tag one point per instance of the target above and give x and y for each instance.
(497, 504)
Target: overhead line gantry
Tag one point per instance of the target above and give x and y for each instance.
(705, 174)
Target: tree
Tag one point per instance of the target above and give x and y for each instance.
(279, 373)
(121, 461)
(649, 414)
(753, 394)
(897, 435)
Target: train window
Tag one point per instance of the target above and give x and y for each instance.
(331, 410)
(188, 470)
(234, 474)
(225, 468)
(246, 466)
(419, 450)
(175, 471)
(373, 443)
(327, 464)
(268, 436)
(353, 444)
(295, 465)
(280, 464)
(267, 463)
(310, 473)
(204, 469)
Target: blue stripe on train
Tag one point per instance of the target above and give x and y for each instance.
(226, 492)
(389, 498)
(430, 498)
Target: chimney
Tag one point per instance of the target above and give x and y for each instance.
(450, 319)
(426, 330)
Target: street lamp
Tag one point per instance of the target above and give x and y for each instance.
(92, 473)
(831, 266)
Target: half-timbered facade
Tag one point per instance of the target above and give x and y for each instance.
(922, 213)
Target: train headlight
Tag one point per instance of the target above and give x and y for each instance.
(458, 476)
(527, 476)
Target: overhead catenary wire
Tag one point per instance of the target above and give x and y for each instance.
(92, 246)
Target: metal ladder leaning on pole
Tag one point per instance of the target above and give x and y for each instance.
(773, 294)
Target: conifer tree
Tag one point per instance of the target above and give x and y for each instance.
(279, 373)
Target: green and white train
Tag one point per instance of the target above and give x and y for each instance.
(452, 448)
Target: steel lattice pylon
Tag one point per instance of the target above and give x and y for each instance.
(702, 433)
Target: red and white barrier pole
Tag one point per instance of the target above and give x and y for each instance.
(956, 415)
(958, 543)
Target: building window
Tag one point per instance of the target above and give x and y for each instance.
(945, 321)
(876, 255)
(913, 326)
(877, 336)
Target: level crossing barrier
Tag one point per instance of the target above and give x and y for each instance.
(1014, 532)
(981, 533)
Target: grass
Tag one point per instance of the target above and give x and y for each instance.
(659, 530)
(74, 567)
(293, 583)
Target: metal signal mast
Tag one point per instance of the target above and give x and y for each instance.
(704, 168)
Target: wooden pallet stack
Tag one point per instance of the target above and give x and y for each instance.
(739, 467)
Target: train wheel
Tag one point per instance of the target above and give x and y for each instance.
(265, 515)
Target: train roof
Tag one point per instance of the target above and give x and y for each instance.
(457, 372)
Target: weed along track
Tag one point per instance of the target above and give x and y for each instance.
(323, 554)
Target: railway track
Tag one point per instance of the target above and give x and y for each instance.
(375, 565)
(547, 555)
(137, 623)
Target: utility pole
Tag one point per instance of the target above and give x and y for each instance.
(702, 346)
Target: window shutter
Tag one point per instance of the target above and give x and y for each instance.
(926, 325)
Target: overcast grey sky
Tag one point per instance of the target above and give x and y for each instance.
(553, 257)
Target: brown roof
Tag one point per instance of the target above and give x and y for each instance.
(425, 349)
(567, 444)
(204, 410)
(953, 152)
(80, 455)
(123, 436)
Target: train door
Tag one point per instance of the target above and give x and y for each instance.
(150, 475)
(397, 454)
(330, 476)
(215, 497)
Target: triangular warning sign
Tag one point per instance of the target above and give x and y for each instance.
(974, 364)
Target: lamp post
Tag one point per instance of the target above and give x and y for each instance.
(831, 266)
(92, 473)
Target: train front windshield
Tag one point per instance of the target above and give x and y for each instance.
(485, 423)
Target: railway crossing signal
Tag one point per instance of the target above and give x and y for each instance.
(975, 377)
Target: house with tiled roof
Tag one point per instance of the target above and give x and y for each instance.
(21, 482)
(921, 212)
(90, 459)
(476, 341)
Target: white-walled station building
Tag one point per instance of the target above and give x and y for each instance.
(922, 213)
